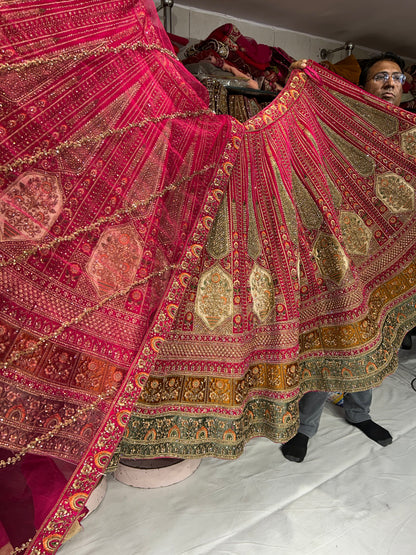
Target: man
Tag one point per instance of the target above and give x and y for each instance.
(383, 77)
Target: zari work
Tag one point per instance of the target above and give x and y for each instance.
(306, 282)
(174, 271)
(111, 164)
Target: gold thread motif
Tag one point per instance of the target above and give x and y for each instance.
(334, 192)
(363, 163)
(115, 217)
(214, 297)
(21, 547)
(330, 257)
(408, 141)
(289, 210)
(262, 291)
(385, 123)
(355, 233)
(218, 243)
(115, 259)
(86, 312)
(32, 444)
(253, 239)
(30, 206)
(87, 140)
(309, 212)
(80, 55)
(395, 193)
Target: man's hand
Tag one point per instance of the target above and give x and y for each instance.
(298, 64)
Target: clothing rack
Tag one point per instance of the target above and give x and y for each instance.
(348, 46)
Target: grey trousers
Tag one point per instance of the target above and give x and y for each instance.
(356, 409)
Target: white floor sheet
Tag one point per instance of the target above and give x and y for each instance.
(349, 497)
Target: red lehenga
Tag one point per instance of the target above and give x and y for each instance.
(238, 265)
(306, 281)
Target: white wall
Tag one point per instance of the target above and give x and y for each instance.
(196, 24)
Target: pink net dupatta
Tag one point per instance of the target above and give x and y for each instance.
(307, 280)
(112, 169)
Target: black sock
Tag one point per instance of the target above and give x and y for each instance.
(295, 449)
(375, 432)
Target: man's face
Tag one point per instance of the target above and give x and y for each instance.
(389, 90)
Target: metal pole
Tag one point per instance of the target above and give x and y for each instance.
(167, 6)
(348, 46)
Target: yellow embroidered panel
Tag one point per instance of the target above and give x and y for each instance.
(395, 193)
(355, 233)
(330, 257)
(218, 244)
(214, 298)
(358, 159)
(309, 212)
(212, 390)
(262, 291)
(408, 141)
(386, 124)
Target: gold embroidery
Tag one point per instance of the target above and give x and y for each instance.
(218, 95)
(214, 298)
(355, 233)
(30, 206)
(309, 135)
(218, 244)
(363, 163)
(21, 547)
(262, 291)
(220, 391)
(210, 390)
(270, 412)
(340, 337)
(408, 141)
(91, 139)
(195, 389)
(253, 240)
(386, 124)
(85, 313)
(115, 259)
(309, 212)
(76, 159)
(133, 207)
(53, 431)
(289, 210)
(330, 257)
(335, 194)
(79, 55)
(395, 193)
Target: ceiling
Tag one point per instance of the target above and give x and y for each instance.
(377, 24)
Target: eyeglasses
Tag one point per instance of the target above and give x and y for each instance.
(383, 76)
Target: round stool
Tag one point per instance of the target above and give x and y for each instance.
(96, 496)
(154, 473)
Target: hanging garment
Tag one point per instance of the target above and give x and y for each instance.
(348, 67)
(173, 270)
(268, 66)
